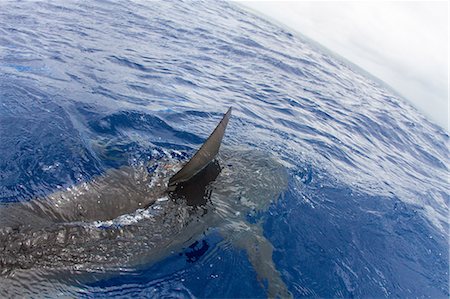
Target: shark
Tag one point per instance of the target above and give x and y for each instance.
(131, 216)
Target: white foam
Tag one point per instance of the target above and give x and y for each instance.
(132, 218)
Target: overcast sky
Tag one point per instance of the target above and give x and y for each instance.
(405, 44)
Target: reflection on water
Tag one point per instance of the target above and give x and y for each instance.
(76, 244)
(92, 91)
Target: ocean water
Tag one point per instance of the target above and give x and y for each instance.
(86, 87)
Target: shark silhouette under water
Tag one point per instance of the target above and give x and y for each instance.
(130, 217)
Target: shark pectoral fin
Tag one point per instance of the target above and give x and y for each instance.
(259, 251)
(204, 155)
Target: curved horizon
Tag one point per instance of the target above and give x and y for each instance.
(403, 44)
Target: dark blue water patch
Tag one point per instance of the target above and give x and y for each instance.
(118, 152)
(196, 251)
(38, 135)
(356, 245)
(156, 128)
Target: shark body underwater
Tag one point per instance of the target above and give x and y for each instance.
(130, 216)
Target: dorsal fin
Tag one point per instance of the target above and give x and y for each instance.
(204, 155)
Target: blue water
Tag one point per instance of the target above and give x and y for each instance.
(366, 210)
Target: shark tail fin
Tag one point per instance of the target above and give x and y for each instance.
(204, 155)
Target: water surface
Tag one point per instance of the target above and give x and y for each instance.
(90, 87)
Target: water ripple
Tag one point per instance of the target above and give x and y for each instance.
(89, 86)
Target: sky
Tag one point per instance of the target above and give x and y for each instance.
(403, 43)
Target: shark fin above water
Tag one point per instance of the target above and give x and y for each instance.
(203, 156)
(74, 228)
